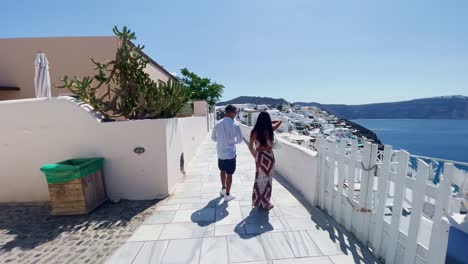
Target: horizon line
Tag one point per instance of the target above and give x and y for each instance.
(385, 102)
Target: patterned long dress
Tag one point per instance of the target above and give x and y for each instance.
(264, 160)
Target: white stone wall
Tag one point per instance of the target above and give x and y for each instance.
(183, 135)
(298, 165)
(39, 131)
(211, 120)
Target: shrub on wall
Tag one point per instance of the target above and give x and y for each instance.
(121, 87)
(201, 88)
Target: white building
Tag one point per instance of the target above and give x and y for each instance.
(262, 107)
(248, 116)
(284, 124)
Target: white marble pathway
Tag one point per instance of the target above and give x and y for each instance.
(195, 225)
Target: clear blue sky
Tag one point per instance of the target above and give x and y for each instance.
(302, 50)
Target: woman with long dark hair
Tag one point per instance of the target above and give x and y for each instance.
(261, 147)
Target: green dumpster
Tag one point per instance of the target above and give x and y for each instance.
(76, 186)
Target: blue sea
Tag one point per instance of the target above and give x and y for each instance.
(445, 139)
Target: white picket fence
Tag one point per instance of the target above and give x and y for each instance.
(391, 206)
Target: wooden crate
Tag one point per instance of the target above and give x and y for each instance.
(79, 196)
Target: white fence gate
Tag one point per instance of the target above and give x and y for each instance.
(390, 206)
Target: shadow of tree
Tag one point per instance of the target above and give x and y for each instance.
(29, 226)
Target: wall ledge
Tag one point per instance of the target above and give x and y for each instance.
(284, 141)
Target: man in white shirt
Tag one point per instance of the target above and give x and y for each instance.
(226, 133)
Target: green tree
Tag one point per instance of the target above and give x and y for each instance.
(201, 88)
(121, 87)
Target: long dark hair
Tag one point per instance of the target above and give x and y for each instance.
(263, 129)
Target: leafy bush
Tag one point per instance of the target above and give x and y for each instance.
(121, 87)
(202, 88)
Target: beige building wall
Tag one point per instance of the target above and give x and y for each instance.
(66, 55)
(200, 108)
(156, 74)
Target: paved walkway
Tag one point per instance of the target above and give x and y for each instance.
(29, 234)
(195, 226)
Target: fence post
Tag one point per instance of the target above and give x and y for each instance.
(400, 188)
(369, 159)
(443, 234)
(440, 225)
(383, 176)
(417, 200)
(330, 178)
(339, 208)
(322, 155)
(351, 183)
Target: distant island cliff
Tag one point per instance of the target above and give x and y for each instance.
(444, 107)
(256, 100)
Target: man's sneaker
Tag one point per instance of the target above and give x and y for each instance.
(229, 197)
(223, 192)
